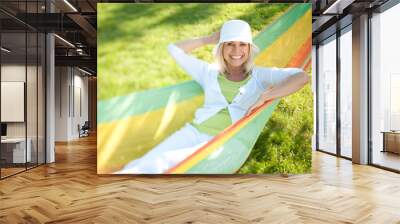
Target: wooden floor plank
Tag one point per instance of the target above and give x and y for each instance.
(70, 191)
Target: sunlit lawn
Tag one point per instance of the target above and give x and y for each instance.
(132, 39)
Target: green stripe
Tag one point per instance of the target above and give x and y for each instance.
(233, 154)
(149, 100)
(271, 33)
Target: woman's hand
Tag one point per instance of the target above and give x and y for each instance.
(257, 105)
(265, 97)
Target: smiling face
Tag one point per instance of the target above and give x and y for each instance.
(235, 53)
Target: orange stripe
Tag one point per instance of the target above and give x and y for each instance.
(308, 65)
(296, 61)
(301, 54)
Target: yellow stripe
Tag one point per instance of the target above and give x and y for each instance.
(280, 52)
(124, 140)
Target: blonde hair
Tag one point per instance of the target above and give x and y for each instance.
(248, 65)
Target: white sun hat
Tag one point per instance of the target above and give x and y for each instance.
(235, 30)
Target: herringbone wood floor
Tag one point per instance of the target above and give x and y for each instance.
(69, 191)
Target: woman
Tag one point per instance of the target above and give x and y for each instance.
(233, 87)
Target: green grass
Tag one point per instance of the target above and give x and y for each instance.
(133, 39)
(132, 56)
(284, 145)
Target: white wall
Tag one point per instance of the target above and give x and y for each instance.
(13, 73)
(71, 87)
(62, 81)
(10, 73)
(81, 89)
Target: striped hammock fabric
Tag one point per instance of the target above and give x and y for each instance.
(131, 125)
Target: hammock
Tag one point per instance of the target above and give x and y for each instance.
(129, 126)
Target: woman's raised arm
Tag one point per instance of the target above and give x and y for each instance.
(288, 86)
(191, 44)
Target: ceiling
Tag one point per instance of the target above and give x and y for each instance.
(75, 23)
(332, 15)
